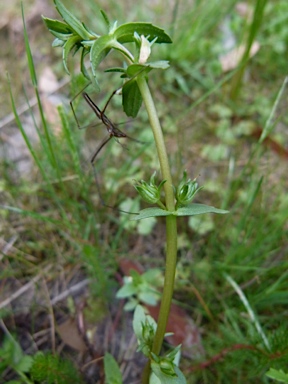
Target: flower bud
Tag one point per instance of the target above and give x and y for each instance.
(149, 191)
(186, 190)
(167, 367)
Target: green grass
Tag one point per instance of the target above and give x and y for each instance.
(58, 220)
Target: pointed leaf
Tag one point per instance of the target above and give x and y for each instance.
(69, 45)
(112, 370)
(125, 33)
(72, 21)
(131, 98)
(198, 209)
(62, 36)
(83, 68)
(99, 50)
(277, 375)
(105, 17)
(116, 69)
(58, 43)
(151, 212)
(56, 26)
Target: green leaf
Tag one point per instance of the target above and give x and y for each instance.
(116, 69)
(125, 33)
(57, 26)
(62, 36)
(58, 43)
(136, 69)
(151, 212)
(161, 64)
(198, 209)
(138, 321)
(277, 375)
(105, 17)
(131, 98)
(82, 63)
(72, 21)
(28, 51)
(165, 379)
(99, 50)
(112, 370)
(24, 364)
(125, 291)
(69, 45)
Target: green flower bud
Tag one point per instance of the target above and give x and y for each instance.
(186, 190)
(150, 192)
(167, 367)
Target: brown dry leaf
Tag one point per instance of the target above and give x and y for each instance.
(69, 334)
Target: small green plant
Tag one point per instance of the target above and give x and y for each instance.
(173, 201)
(41, 368)
(277, 375)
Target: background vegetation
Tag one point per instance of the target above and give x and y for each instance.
(61, 251)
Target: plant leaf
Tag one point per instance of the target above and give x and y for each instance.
(161, 64)
(112, 370)
(83, 68)
(105, 17)
(151, 212)
(99, 50)
(69, 45)
(131, 98)
(72, 21)
(277, 375)
(198, 209)
(57, 26)
(125, 33)
(165, 379)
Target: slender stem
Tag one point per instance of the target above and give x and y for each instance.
(171, 224)
(159, 141)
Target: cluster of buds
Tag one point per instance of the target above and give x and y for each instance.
(186, 190)
(150, 192)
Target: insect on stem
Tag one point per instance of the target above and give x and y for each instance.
(112, 130)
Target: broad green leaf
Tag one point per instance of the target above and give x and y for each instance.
(131, 98)
(136, 69)
(151, 212)
(72, 21)
(277, 375)
(125, 291)
(112, 371)
(197, 209)
(99, 50)
(57, 26)
(125, 33)
(24, 364)
(69, 45)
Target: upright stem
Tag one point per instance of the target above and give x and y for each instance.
(171, 224)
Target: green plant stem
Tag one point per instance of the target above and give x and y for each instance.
(171, 224)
